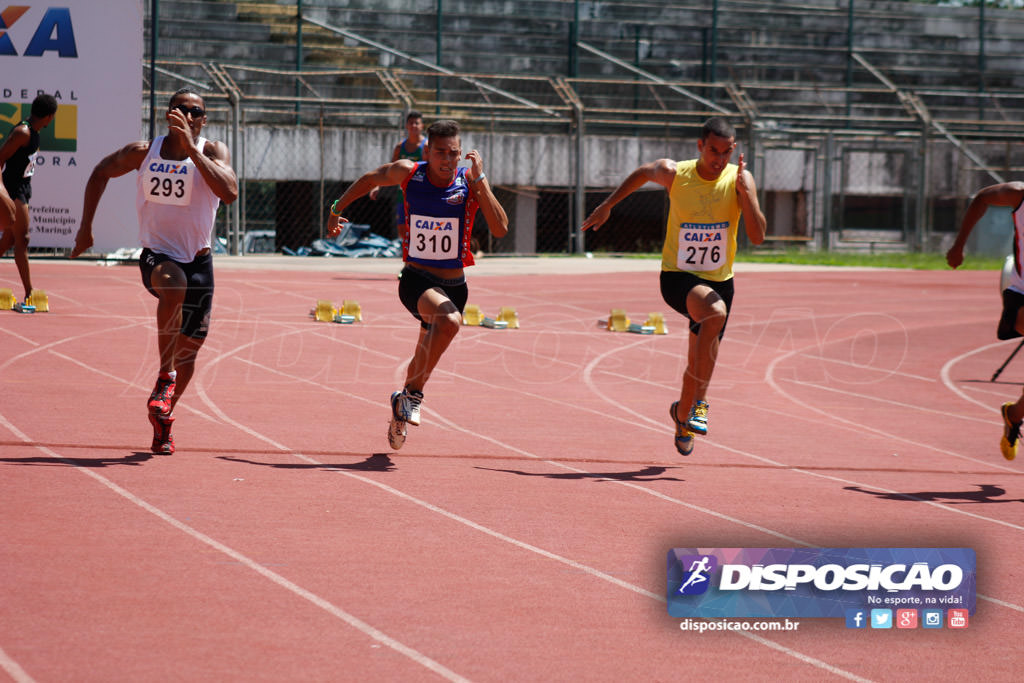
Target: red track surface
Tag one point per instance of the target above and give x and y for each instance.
(521, 533)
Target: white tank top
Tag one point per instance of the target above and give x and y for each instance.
(176, 207)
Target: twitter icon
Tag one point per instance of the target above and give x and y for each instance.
(881, 618)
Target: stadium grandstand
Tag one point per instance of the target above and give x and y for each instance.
(867, 124)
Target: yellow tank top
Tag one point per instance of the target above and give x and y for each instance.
(703, 218)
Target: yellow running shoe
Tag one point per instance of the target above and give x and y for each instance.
(698, 421)
(1011, 434)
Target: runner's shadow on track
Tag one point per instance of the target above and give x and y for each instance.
(986, 493)
(134, 459)
(649, 473)
(378, 462)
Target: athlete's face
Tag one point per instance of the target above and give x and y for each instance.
(715, 152)
(414, 128)
(443, 156)
(190, 107)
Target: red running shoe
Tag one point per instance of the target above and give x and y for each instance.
(160, 399)
(163, 442)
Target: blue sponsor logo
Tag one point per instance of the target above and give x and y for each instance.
(53, 33)
(856, 618)
(172, 169)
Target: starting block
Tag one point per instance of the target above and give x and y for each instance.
(351, 308)
(324, 311)
(657, 321)
(507, 318)
(495, 324)
(7, 300)
(508, 315)
(39, 300)
(349, 312)
(618, 321)
(472, 315)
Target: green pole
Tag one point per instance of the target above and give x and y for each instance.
(154, 29)
(849, 58)
(981, 57)
(574, 36)
(437, 52)
(714, 43)
(298, 59)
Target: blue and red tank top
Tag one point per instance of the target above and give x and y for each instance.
(440, 220)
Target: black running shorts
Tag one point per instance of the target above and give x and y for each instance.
(414, 282)
(1012, 303)
(676, 285)
(195, 311)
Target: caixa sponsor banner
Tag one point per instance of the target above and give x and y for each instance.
(816, 582)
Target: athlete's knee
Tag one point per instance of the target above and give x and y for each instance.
(447, 324)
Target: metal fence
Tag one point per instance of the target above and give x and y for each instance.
(834, 189)
(850, 152)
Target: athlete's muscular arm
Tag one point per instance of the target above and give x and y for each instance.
(383, 176)
(662, 172)
(497, 219)
(1003, 194)
(753, 218)
(124, 160)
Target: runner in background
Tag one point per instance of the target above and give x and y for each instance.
(16, 191)
(410, 148)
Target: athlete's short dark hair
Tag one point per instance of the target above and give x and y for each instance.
(413, 115)
(43, 106)
(445, 128)
(183, 91)
(718, 126)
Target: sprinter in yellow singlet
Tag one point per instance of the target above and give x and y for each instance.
(707, 196)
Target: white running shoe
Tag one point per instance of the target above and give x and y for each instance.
(408, 406)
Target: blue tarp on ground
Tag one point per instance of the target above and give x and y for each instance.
(355, 241)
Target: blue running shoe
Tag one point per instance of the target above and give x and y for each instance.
(684, 437)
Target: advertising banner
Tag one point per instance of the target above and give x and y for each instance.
(88, 55)
(848, 583)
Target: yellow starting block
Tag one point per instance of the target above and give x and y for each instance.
(508, 315)
(618, 321)
(7, 300)
(472, 315)
(657, 321)
(353, 309)
(39, 299)
(324, 311)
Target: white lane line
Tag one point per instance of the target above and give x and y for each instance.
(951, 385)
(508, 539)
(272, 576)
(14, 669)
(769, 376)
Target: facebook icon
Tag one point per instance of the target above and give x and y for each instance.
(856, 618)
